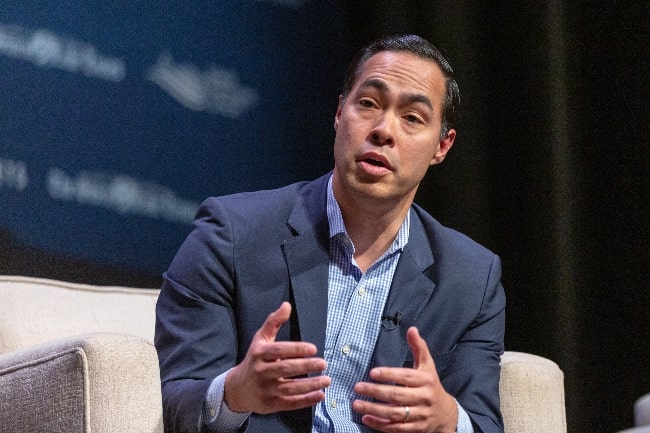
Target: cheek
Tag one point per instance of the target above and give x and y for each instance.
(339, 145)
(429, 151)
(346, 135)
(419, 159)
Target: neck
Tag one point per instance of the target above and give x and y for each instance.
(372, 225)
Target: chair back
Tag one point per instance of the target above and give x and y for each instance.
(36, 310)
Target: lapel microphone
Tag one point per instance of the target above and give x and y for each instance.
(395, 319)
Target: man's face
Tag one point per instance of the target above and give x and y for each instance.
(388, 129)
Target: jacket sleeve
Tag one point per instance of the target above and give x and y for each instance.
(473, 374)
(195, 327)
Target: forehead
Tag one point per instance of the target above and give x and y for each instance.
(403, 72)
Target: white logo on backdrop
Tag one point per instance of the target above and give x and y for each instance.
(120, 193)
(214, 90)
(13, 174)
(47, 50)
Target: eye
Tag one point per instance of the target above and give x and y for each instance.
(367, 103)
(413, 118)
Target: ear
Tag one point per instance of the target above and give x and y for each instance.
(338, 112)
(443, 147)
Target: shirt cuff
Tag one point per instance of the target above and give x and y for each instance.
(464, 423)
(216, 415)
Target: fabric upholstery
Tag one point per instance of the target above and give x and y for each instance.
(642, 411)
(532, 394)
(98, 382)
(79, 358)
(33, 399)
(36, 310)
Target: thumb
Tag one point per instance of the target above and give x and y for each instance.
(269, 329)
(422, 359)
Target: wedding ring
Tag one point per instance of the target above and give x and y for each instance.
(407, 413)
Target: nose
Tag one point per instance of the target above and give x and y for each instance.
(383, 133)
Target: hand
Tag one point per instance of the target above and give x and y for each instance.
(431, 408)
(267, 381)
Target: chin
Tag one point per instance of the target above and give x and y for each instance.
(372, 191)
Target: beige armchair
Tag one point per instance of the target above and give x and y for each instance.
(79, 358)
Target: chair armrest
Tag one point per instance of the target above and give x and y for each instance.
(532, 394)
(100, 382)
(642, 411)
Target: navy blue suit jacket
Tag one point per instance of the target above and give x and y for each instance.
(249, 252)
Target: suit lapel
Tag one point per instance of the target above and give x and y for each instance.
(410, 291)
(307, 257)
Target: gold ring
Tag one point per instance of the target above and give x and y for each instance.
(407, 413)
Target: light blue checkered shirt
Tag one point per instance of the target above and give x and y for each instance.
(355, 304)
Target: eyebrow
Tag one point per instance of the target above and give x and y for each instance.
(411, 98)
(414, 98)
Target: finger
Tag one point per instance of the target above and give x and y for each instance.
(288, 368)
(269, 329)
(391, 394)
(276, 404)
(284, 350)
(422, 358)
(291, 394)
(388, 426)
(376, 415)
(400, 376)
(306, 385)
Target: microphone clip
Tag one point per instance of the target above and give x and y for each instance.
(391, 322)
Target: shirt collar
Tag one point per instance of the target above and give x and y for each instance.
(337, 226)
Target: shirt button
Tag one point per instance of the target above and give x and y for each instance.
(333, 403)
(213, 413)
(362, 291)
(345, 349)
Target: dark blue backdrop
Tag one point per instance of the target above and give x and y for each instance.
(118, 118)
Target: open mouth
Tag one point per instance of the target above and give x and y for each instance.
(374, 159)
(374, 162)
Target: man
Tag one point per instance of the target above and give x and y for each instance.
(338, 305)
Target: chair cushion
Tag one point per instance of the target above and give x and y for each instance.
(99, 383)
(64, 392)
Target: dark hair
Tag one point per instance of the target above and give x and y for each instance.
(421, 48)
